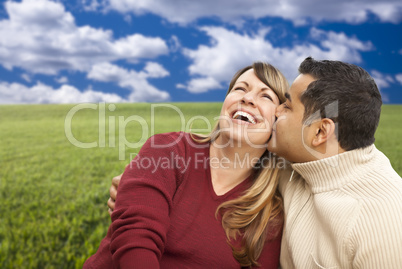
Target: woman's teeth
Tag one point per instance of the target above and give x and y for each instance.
(241, 115)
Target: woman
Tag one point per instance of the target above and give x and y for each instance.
(204, 201)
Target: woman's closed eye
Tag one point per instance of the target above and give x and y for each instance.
(268, 97)
(239, 89)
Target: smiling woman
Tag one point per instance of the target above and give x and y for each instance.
(250, 105)
(221, 209)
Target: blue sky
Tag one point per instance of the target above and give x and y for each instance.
(184, 51)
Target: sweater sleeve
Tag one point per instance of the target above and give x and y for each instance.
(141, 218)
(376, 236)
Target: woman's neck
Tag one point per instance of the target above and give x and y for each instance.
(231, 165)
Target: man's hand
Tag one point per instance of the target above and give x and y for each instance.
(113, 193)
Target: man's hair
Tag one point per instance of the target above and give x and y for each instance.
(348, 95)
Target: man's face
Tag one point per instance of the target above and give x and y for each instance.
(289, 136)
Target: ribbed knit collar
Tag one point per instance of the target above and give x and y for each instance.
(334, 172)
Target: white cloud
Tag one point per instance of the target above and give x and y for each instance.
(138, 46)
(215, 64)
(41, 36)
(398, 77)
(381, 79)
(155, 70)
(174, 43)
(181, 86)
(234, 11)
(15, 93)
(340, 44)
(141, 90)
(199, 85)
(26, 77)
(91, 5)
(62, 80)
(127, 18)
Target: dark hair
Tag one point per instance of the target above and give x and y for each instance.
(348, 95)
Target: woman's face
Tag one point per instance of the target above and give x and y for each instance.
(248, 112)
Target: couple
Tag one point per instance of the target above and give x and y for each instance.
(342, 201)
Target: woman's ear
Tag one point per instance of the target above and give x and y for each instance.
(325, 130)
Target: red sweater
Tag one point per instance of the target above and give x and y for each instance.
(165, 212)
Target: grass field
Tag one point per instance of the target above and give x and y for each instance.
(54, 180)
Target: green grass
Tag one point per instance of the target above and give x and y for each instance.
(53, 194)
(53, 210)
(389, 135)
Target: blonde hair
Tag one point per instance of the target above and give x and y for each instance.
(257, 214)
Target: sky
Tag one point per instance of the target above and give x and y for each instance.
(116, 51)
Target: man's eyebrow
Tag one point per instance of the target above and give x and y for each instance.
(287, 95)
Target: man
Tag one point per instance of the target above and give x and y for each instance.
(343, 205)
(343, 201)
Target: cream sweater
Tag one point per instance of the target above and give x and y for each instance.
(343, 212)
